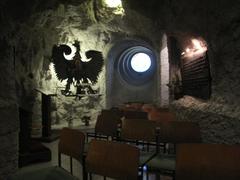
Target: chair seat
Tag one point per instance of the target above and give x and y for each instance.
(162, 162)
(145, 157)
(49, 173)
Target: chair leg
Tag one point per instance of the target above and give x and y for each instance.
(147, 175)
(173, 177)
(71, 170)
(90, 176)
(148, 147)
(104, 177)
(85, 174)
(141, 173)
(59, 160)
(164, 148)
(175, 148)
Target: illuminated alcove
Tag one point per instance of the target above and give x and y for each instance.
(131, 73)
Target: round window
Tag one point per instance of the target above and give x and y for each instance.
(136, 65)
(140, 62)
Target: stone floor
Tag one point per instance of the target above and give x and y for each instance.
(77, 170)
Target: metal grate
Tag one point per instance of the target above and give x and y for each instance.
(196, 79)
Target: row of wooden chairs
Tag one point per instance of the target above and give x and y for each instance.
(106, 158)
(193, 161)
(110, 126)
(109, 121)
(143, 132)
(159, 135)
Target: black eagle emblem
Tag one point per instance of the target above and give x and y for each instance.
(75, 70)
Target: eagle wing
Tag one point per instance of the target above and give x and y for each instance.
(93, 67)
(60, 63)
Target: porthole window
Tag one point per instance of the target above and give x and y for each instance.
(136, 65)
(140, 62)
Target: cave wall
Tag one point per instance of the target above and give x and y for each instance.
(9, 120)
(218, 123)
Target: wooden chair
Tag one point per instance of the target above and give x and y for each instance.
(161, 115)
(174, 133)
(207, 162)
(184, 132)
(71, 143)
(135, 114)
(107, 125)
(142, 134)
(162, 163)
(138, 131)
(112, 159)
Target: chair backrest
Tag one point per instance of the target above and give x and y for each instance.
(186, 132)
(207, 162)
(161, 115)
(113, 159)
(107, 123)
(135, 114)
(115, 112)
(148, 107)
(179, 132)
(71, 143)
(135, 129)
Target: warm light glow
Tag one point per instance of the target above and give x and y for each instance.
(116, 6)
(113, 3)
(197, 44)
(72, 54)
(140, 62)
(197, 48)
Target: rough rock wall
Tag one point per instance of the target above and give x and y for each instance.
(218, 123)
(34, 42)
(9, 120)
(9, 127)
